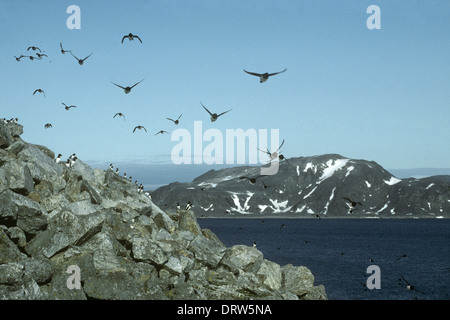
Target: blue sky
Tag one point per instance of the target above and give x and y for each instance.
(380, 95)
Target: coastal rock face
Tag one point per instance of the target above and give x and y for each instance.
(83, 233)
(311, 187)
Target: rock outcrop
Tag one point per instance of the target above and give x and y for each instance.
(55, 220)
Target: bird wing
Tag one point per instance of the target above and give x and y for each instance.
(124, 37)
(179, 117)
(144, 129)
(253, 73)
(272, 74)
(134, 129)
(117, 85)
(87, 56)
(280, 145)
(170, 119)
(35, 91)
(138, 38)
(240, 178)
(223, 113)
(74, 55)
(136, 84)
(347, 199)
(206, 109)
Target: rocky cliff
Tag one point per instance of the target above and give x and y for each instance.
(63, 226)
(317, 186)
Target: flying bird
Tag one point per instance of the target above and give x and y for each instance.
(131, 37)
(162, 132)
(409, 286)
(62, 50)
(40, 91)
(68, 107)
(403, 256)
(34, 49)
(352, 204)
(175, 121)
(120, 114)
(139, 128)
(214, 116)
(127, 89)
(252, 180)
(48, 125)
(80, 61)
(32, 58)
(264, 76)
(41, 55)
(281, 157)
(273, 155)
(18, 59)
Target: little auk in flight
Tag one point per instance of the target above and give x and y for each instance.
(40, 91)
(68, 107)
(120, 115)
(48, 125)
(264, 76)
(80, 61)
(161, 132)
(62, 50)
(127, 89)
(131, 37)
(34, 49)
(252, 180)
(175, 121)
(214, 116)
(139, 128)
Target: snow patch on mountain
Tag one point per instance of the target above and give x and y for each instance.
(331, 167)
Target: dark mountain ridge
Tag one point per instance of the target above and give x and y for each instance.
(315, 186)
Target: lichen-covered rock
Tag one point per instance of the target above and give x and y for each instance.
(53, 218)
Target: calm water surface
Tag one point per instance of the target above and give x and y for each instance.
(339, 251)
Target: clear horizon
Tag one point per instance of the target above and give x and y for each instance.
(380, 95)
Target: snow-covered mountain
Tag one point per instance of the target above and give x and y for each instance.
(317, 186)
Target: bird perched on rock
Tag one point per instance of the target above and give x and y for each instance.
(264, 76)
(131, 37)
(127, 89)
(214, 116)
(58, 158)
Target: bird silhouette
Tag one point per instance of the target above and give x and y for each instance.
(68, 107)
(252, 180)
(161, 132)
(352, 204)
(264, 76)
(273, 155)
(175, 121)
(40, 91)
(41, 55)
(48, 125)
(409, 286)
(120, 114)
(80, 61)
(131, 37)
(127, 89)
(139, 128)
(403, 256)
(62, 50)
(33, 48)
(214, 116)
(18, 58)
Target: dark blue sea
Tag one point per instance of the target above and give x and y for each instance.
(339, 251)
